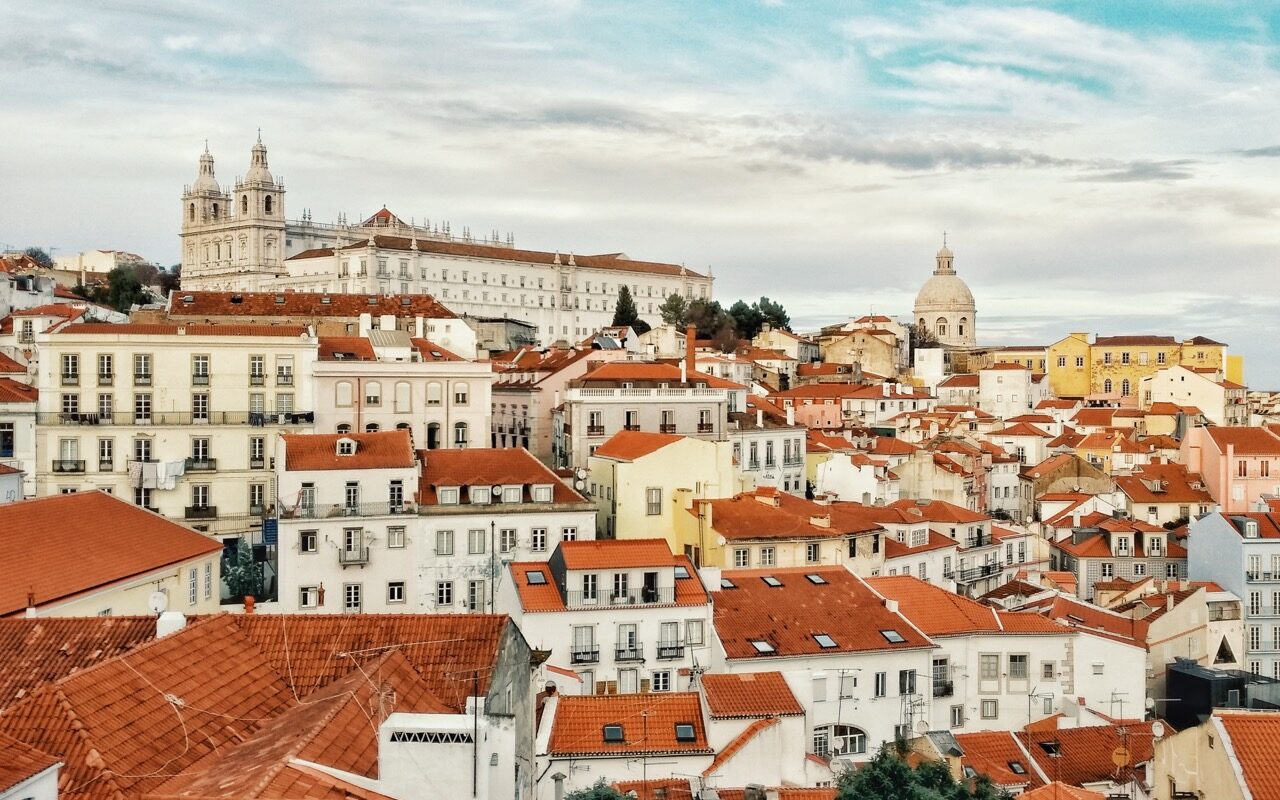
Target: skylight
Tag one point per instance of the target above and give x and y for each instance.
(816, 579)
(762, 646)
(725, 583)
(1051, 748)
(613, 734)
(682, 572)
(685, 732)
(1016, 768)
(824, 640)
(536, 577)
(892, 636)
(769, 580)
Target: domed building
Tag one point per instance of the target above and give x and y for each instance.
(945, 306)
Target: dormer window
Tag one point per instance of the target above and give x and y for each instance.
(511, 494)
(346, 447)
(448, 496)
(481, 494)
(542, 494)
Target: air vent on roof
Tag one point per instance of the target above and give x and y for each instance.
(373, 299)
(406, 300)
(186, 298)
(279, 299)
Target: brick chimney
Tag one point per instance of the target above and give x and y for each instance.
(690, 349)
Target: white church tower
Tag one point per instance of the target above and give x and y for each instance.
(232, 239)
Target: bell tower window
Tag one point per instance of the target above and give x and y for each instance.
(960, 327)
(191, 212)
(215, 211)
(268, 204)
(244, 204)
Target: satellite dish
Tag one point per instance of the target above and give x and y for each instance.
(922, 727)
(1157, 729)
(580, 473)
(158, 602)
(496, 492)
(579, 484)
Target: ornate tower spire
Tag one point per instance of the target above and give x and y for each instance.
(944, 258)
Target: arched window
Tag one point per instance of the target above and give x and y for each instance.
(215, 211)
(373, 393)
(217, 250)
(268, 204)
(1125, 387)
(941, 326)
(402, 397)
(433, 436)
(460, 434)
(402, 426)
(344, 428)
(372, 427)
(1106, 386)
(434, 393)
(922, 323)
(461, 393)
(244, 204)
(964, 322)
(342, 394)
(839, 740)
(191, 212)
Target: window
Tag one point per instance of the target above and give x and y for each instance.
(475, 595)
(538, 540)
(395, 592)
(762, 646)
(767, 556)
(824, 641)
(444, 543)
(693, 632)
(208, 581)
(1018, 667)
(507, 540)
(653, 501)
(395, 537)
(1108, 569)
(741, 557)
(989, 667)
(882, 684)
(257, 498)
(192, 578)
(568, 534)
(1047, 670)
(461, 394)
(460, 434)
(660, 681)
(444, 593)
(475, 541)
(892, 636)
(957, 716)
(589, 587)
(990, 709)
(142, 369)
(351, 598)
(1139, 569)
(308, 597)
(307, 541)
(812, 552)
(906, 681)
(1171, 570)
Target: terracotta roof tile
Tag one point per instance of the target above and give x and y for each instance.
(1021, 429)
(12, 391)
(645, 372)
(21, 762)
(1140, 339)
(8, 365)
(303, 304)
(346, 348)
(487, 467)
(745, 517)
(615, 553)
(631, 445)
(1084, 754)
(1164, 483)
(657, 789)
(785, 792)
(1253, 738)
(171, 329)
(790, 616)
(938, 612)
(1246, 441)
(319, 451)
(749, 694)
(39, 650)
(961, 381)
(1061, 791)
(939, 511)
(993, 753)
(430, 351)
(42, 542)
(648, 724)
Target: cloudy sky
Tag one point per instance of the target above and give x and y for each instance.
(1104, 166)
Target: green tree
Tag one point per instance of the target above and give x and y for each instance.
(674, 310)
(713, 323)
(889, 777)
(625, 312)
(242, 574)
(40, 256)
(600, 790)
(170, 280)
(747, 319)
(124, 289)
(774, 314)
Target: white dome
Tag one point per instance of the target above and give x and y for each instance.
(944, 293)
(258, 172)
(205, 182)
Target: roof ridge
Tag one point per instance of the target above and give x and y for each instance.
(738, 742)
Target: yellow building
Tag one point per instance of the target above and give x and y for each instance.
(1115, 366)
(875, 349)
(642, 484)
(1068, 366)
(1033, 357)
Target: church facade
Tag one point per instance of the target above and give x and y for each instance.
(945, 307)
(238, 239)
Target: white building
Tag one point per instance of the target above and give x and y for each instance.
(238, 238)
(1010, 390)
(620, 616)
(768, 447)
(1221, 401)
(18, 403)
(394, 530)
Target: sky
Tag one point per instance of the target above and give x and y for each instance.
(1107, 167)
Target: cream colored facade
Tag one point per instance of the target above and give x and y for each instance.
(875, 351)
(1198, 762)
(131, 597)
(207, 407)
(1221, 404)
(647, 497)
(945, 307)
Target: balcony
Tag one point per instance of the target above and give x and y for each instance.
(354, 510)
(584, 654)
(631, 427)
(106, 379)
(978, 541)
(1262, 576)
(257, 463)
(106, 466)
(977, 573)
(255, 419)
(706, 427)
(141, 379)
(70, 379)
(943, 688)
(592, 430)
(200, 380)
(670, 650)
(633, 651)
(667, 427)
(257, 509)
(68, 466)
(257, 380)
(200, 512)
(284, 380)
(358, 556)
(202, 464)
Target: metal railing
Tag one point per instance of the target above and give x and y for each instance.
(70, 379)
(943, 688)
(257, 380)
(199, 380)
(257, 463)
(604, 597)
(252, 418)
(706, 427)
(200, 512)
(284, 380)
(359, 555)
(141, 380)
(106, 379)
(342, 510)
(978, 572)
(201, 464)
(588, 654)
(592, 430)
(629, 652)
(667, 427)
(68, 465)
(106, 465)
(670, 650)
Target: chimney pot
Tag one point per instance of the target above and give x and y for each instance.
(690, 349)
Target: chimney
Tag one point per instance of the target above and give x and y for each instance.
(791, 415)
(891, 605)
(170, 622)
(419, 328)
(1168, 602)
(559, 781)
(820, 522)
(248, 603)
(884, 389)
(690, 349)
(759, 418)
(1075, 517)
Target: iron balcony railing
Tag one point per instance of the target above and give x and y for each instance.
(68, 465)
(106, 379)
(606, 597)
(140, 379)
(706, 427)
(631, 651)
(70, 379)
(357, 556)
(667, 427)
(977, 573)
(670, 650)
(200, 380)
(584, 654)
(251, 418)
(201, 512)
(943, 688)
(342, 510)
(201, 464)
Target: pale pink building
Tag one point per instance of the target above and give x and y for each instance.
(1238, 464)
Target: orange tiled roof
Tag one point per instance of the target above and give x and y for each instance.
(939, 511)
(631, 445)
(8, 365)
(736, 744)
(171, 329)
(319, 451)
(790, 616)
(938, 612)
(1246, 441)
(51, 310)
(430, 351)
(43, 543)
(21, 762)
(648, 372)
(1085, 753)
(961, 381)
(1094, 417)
(303, 304)
(648, 724)
(744, 517)
(749, 694)
(1253, 737)
(1061, 791)
(12, 391)
(1021, 429)
(1175, 485)
(545, 596)
(615, 553)
(346, 348)
(992, 753)
(486, 466)
(657, 789)
(39, 650)
(1055, 402)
